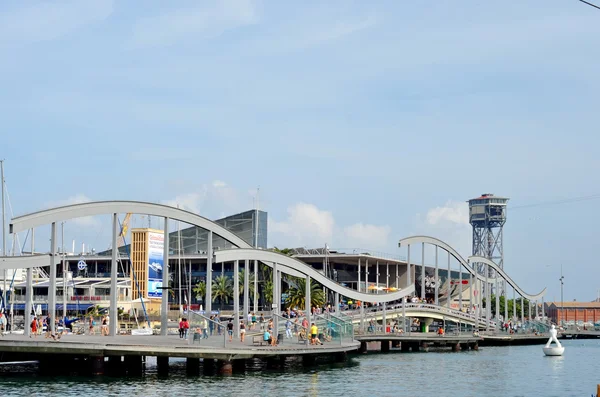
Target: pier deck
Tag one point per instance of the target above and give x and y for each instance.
(161, 346)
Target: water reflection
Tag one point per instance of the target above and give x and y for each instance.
(503, 371)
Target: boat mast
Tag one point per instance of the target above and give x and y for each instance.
(3, 234)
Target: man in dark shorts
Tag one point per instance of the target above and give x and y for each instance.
(230, 330)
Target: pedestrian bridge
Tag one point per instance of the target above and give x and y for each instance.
(421, 310)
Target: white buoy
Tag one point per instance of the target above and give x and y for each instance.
(550, 350)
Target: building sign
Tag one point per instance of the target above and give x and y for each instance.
(155, 264)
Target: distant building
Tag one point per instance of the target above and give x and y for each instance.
(573, 312)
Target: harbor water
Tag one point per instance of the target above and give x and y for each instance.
(491, 371)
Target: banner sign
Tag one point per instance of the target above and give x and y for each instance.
(155, 263)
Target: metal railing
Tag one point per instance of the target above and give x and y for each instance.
(202, 327)
(395, 308)
(296, 334)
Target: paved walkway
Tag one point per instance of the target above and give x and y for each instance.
(171, 345)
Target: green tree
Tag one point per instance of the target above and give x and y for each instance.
(222, 289)
(511, 303)
(267, 291)
(200, 290)
(297, 293)
(284, 251)
(250, 282)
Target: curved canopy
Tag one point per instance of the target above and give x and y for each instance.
(24, 262)
(502, 273)
(93, 208)
(288, 263)
(465, 264)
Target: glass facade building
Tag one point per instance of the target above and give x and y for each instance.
(250, 226)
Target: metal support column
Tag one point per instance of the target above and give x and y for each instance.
(408, 272)
(307, 305)
(276, 298)
(164, 304)
(449, 282)
(384, 318)
(422, 270)
(437, 277)
(497, 315)
(236, 298)
(514, 305)
(543, 316)
(209, 263)
(471, 288)
(114, 314)
(460, 287)
(255, 300)
(52, 289)
(246, 291)
(337, 303)
(366, 275)
(522, 311)
(387, 277)
(358, 272)
(29, 293)
(377, 276)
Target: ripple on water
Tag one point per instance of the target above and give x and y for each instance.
(492, 371)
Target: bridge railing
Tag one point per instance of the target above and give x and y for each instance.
(202, 327)
(394, 308)
(338, 328)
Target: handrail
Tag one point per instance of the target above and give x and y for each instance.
(431, 308)
(298, 268)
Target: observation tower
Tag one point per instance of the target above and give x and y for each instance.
(487, 215)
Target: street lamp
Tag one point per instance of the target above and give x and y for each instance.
(562, 310)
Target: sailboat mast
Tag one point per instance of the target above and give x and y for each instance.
(179, 259)
(3, 233)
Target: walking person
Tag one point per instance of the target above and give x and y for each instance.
(204, 329)
(261, 320)
(242, 331)
(186, 327)
(288, 329)
(92, 324)
(230, 330)
(211, 325)
(33, 326)
(253, 321)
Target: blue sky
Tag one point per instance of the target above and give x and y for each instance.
(362, 122)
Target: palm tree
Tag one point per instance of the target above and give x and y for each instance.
(250, 282)
(297, 294)
(267, 290)
(284, 251)
(200, 290)
(222, 289)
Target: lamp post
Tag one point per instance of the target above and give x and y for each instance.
(562, 309)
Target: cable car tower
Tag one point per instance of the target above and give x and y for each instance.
(487, 215)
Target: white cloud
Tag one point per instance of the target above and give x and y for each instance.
(453, 212)
(48, 21)
(206, 21)
(362, 235)
(79, 198)
(449, 223)
(306, 225)
(309, 226)
(212, 200)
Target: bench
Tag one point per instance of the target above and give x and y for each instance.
(258, 340)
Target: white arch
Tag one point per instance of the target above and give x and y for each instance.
(294, 266)
(55, 215)
(24, 262)
(465, 264)
(502, 273)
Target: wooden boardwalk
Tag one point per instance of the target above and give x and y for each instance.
(161, 346)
